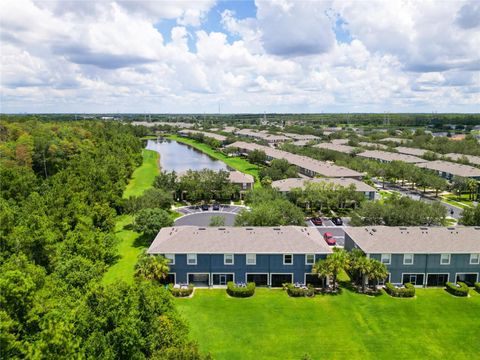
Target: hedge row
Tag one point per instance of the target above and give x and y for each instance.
(299, 292)
(240, 291)
(477, 286)
(181, 292)
(458, 289)
(407, 291)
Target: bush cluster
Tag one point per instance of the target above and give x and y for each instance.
(181, 292)
(240, 291)
(299, 292)
(458, 289)
(407, 291)
(477, 286)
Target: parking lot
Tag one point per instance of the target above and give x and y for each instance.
(337, 232)
(196, 216)
(225, 208)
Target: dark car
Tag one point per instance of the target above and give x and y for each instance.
(317, 221)
(337, 221)
(205, 207)
(329, 239)
(216, 207)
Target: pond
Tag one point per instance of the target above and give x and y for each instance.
(178, 157)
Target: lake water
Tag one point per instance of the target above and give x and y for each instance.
(179, 157)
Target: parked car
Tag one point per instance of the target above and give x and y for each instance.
(216, 207)
(329, 239)
(317, 221)
(337, 221)
(205, 207)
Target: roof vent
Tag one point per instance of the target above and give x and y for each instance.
(403, 228)
(249, 229)
(451, 228)
(222, 228)
(202, 228)
(276, 229)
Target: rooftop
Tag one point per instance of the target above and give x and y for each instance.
(238, 177)
(336, 147)
(319, 167)
(206, 134)
(471, 158)
(390, 156)
(426, 240)
(238, 240)
(451, 168)
(411, 151)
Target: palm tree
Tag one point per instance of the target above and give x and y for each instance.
(363, 266)
(377, 271)
(337, 262)
(152, 267)
(321, 269)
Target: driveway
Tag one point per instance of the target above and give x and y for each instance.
(197, 217)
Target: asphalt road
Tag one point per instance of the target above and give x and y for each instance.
(203, 218)
(453, 211)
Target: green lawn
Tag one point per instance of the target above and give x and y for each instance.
(236, 163)
(144, 175)
(129, 246)
(271, 325)
(463, 201)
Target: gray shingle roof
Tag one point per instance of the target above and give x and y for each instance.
(238, 177)
(471, 158)
(411, 151)
(336, 147)
(451, 168)
(320, 167)
(420, 240)
(206, 134)
(389, 156)
(239, 240)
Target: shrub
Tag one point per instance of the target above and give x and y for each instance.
(477, 286)
(299, 291)
(458, 289)
(181, 292)
(407, 291)
(240, 291)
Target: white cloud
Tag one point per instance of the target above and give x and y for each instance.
(110, 56)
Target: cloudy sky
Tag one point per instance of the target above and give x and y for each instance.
(240, 56)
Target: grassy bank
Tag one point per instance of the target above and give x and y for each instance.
(129, 246)
(236, 163)
(271, 325)
(144, 175)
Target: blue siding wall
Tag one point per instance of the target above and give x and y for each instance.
(265, 263)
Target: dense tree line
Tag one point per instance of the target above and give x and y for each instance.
(61, 189)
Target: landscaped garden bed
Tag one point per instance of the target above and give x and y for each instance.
(458, 289)
(181, 290)
(299, 290)
(477, 286)
(241, 290)
(399, 290)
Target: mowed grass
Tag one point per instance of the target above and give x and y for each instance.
(144, 175)
(271, 325)
(236, 163)
(129, 246)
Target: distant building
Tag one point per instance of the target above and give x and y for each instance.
(336, 147)
(211, 135)
(386, 157)
(448, 170)
(245, 181)
(287, 185)
(475, 160)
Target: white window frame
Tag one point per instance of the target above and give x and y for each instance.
(441, 259)
(225, 259)
(254, 259)
(306, 259)
(195, 256)
(477, 257)
(413, 259)
(389, 262)
(171, 258)
(284, 263)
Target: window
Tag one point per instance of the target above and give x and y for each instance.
(386, 259)
(170, 257)
(309, 259)
(192, 259)
(407, 259)
(445, 259)
(474, 259)
(251, 259)
(287, 259)
(228, 259)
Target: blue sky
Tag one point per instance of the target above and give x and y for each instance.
(247, 56)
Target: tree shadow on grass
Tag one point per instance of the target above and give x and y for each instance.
(143, 241)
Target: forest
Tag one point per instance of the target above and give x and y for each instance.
(61, 189)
